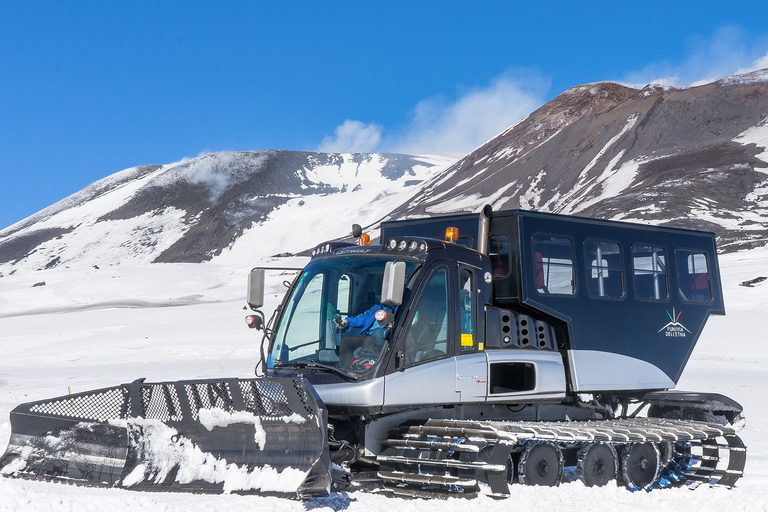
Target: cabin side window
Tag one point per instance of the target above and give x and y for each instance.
(693, 277)
(498, 252)
(649, 265)
(604, 269)
(504, 267)
(553, 265)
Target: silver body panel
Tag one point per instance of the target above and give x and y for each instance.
(353, 394)
(433, 382)
(593, 370)
(472, 377)
(453, 380)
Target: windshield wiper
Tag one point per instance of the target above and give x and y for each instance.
(316, 366)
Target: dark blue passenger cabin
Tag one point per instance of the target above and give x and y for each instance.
(628, 301)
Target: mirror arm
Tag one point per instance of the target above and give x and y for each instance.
(399, 360)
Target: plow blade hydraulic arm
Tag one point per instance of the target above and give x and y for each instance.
(265, 436)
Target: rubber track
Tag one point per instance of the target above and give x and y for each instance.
(436, 446)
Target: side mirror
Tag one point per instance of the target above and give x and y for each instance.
(393, 285)
(255, 296)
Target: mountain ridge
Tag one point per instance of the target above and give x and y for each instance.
(191, 211)
(694, 157)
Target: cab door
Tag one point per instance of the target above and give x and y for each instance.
(426, 347)
(471, 361)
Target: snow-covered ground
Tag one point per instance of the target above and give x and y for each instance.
(88, 328)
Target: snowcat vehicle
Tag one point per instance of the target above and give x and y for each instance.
(506, 346)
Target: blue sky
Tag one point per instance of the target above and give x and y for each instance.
(88, 88)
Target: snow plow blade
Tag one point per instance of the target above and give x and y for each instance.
(261, 436)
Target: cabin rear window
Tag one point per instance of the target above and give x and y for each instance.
(553, 265)
(693, 279)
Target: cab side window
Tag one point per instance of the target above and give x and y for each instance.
(428, 333)
(467, 298)
(693, 277)
(343, 294)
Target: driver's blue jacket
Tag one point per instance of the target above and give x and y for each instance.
(366, 321)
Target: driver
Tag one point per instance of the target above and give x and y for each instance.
(362, 345)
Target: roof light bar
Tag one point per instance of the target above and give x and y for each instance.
(412, 246)
(321, 249)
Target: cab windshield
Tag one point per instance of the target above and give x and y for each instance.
(315, 327)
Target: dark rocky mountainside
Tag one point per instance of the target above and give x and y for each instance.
(691, 157)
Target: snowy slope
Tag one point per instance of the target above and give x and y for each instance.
(89, 328)
(304, 220)
(197, 209)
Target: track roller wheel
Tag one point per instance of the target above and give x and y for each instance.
(666, 451)
(640, 465)
(540, 464)
(597, 464)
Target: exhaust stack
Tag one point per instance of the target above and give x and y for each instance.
(484, 229)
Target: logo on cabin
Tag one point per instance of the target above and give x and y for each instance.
(674, 329)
